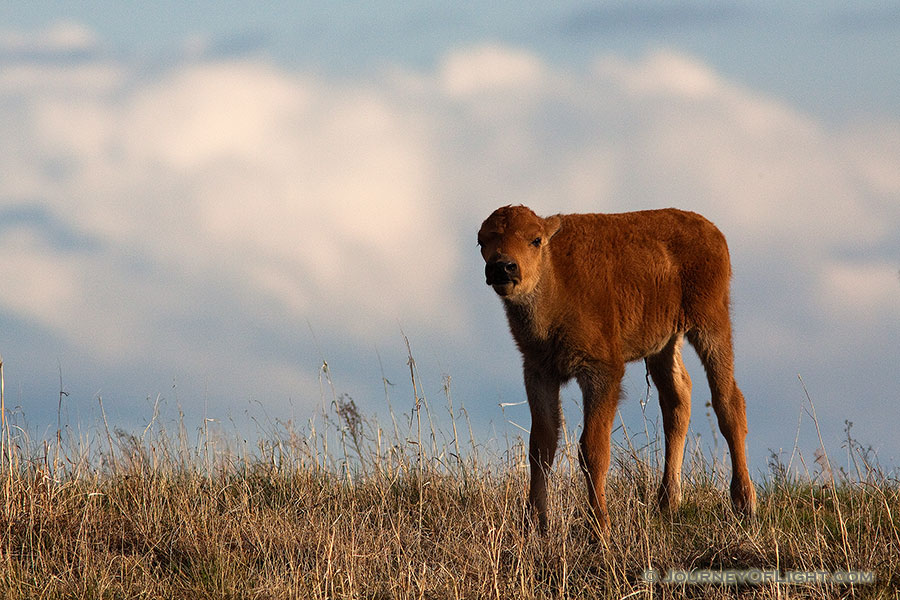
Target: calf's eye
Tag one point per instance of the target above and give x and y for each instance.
(536, 242)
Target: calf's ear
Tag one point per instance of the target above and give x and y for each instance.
(551, 226)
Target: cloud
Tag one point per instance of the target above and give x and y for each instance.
(60, 37)
(307, 193)
(208, 214)
(489, 69)
(861, 291)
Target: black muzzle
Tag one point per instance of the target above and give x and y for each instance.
(500, 272)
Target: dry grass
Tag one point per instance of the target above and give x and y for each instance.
(340, 508)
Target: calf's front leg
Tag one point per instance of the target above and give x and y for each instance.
(543, 400)
(600, 389)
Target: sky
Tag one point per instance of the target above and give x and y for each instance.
(201, 204)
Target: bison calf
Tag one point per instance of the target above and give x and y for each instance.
(585, 294)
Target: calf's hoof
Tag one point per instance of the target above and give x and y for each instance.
(743, 498)
(669, 498)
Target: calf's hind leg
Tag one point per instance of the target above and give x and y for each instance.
(714, 347)
(674, 386)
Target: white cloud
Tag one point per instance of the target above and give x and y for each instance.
(760, 168)
(861, 291)
(662, 74)
(58, 37)
(314, 195)
(89, 301)
(490, 68)
(35, 282)
(204, 113)
(872, 150)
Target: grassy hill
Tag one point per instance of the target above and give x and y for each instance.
(342, 508)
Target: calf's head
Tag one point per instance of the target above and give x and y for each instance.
(513, 243)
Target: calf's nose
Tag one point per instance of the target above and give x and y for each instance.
(501, 271)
